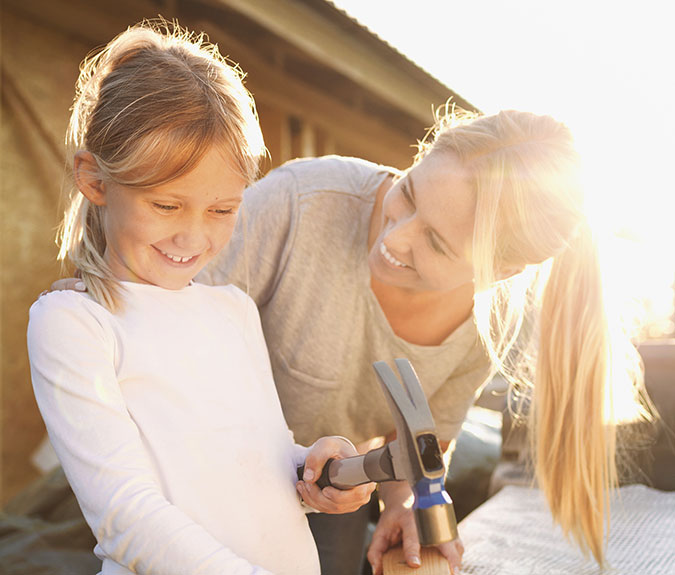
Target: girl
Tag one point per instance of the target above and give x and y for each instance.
(157, 393)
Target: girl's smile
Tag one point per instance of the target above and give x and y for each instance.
(178, 259)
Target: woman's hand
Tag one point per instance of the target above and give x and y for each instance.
(330, 499)
(67, 284)
(397, 525)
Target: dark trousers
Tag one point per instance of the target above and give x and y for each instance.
(341, 539)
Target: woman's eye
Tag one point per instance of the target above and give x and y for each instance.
(165, 207)
(223, 211)
(435, 245)
(406, 194)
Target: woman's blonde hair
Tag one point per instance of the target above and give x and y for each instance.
(148, 107)
(540, 304)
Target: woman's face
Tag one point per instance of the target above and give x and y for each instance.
(424, 240)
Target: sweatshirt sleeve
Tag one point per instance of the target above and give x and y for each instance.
(450, 404)
(255, 257)
(72, 350)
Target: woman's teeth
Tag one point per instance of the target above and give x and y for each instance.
(177, 259)
(391, 259)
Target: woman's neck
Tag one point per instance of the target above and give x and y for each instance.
(424, 318)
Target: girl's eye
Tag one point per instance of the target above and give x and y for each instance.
(165, 207)
(223, 211)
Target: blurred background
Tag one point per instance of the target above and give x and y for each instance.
(602, 67)
(360, 78)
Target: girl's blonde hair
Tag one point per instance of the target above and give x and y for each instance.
(148, 107)
(549, 323)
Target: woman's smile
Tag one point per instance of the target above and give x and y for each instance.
(390, 258)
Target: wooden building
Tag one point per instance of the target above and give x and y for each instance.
(323, 84)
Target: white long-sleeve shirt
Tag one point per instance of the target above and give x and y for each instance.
(167, 423)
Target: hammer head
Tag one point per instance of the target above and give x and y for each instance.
(416, 453)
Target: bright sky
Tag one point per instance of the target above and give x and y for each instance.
(604, 67)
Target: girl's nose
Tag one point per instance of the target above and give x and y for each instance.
(192, 236)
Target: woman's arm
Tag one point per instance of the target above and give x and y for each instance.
(72, 354)
(397, 522)
(397, 526)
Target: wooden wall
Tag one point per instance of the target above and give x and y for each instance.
(307, 107)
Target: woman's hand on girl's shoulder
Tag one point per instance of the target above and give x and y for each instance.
(66, 284)
(330, 499)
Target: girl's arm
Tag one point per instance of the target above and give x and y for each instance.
(73, 354)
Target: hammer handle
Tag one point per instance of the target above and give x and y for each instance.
(376, 465)
(324, 479)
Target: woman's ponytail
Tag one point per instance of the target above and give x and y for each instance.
(588, 381)
(573, 434)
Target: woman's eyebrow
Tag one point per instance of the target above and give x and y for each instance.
(432, 230)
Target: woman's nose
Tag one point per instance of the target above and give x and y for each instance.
(401, 232)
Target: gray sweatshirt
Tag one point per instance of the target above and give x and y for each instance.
(300, 251)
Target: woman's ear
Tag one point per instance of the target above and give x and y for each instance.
(509, 271)
(88, 178)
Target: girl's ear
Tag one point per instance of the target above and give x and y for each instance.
(88, 178)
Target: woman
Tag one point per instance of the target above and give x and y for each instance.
(352, 263)
(443, 264)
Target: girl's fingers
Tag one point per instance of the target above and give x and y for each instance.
(331, 500)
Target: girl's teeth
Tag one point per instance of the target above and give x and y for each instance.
(177, 259)
(391, 259)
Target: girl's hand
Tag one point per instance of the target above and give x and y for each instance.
(397, 525)
(330, 499)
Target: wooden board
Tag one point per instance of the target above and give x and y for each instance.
(433, 563)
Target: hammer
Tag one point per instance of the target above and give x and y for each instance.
(414, 456)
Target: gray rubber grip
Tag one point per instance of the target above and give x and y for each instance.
(347, 473)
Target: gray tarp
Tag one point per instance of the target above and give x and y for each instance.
(42, 532)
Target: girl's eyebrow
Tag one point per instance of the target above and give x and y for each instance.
(432, 230)
(179, 196)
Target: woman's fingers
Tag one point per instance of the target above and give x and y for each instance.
(67, 284)
(388, 532)
(452, 551)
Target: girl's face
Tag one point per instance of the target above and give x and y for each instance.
(424, 240)
(164, 235)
